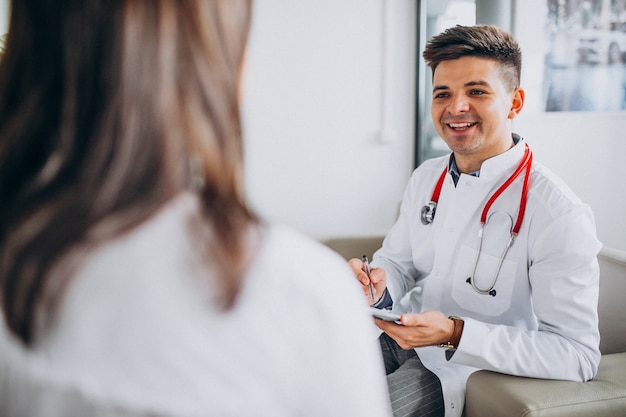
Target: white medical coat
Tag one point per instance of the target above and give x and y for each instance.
(543, 320)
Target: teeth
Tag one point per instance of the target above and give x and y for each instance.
(460, 125)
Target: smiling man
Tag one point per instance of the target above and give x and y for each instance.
(472, 106)
(492, 262)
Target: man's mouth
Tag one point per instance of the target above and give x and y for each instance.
(461, 126)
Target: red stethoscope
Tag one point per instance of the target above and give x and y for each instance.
(428, 215)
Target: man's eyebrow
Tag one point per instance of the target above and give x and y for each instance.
(467, 84)
(474, 83)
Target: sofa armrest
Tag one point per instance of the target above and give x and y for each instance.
(492, 394)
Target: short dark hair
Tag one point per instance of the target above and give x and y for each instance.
(483, 41)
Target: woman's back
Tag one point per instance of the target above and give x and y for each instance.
(139, 327)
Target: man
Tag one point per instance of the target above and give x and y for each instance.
(523, 291)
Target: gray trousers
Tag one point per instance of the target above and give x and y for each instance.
(414, 390)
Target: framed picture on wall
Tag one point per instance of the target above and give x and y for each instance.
(584, 53)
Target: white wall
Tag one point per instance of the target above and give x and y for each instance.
(313, 113)
(587, 150)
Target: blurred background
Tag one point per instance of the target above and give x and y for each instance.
(336, 112)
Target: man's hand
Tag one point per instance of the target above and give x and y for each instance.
(377, 277)
(417, 330)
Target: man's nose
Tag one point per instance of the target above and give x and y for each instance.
(458, 104)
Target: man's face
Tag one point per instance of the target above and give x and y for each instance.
(472, 109)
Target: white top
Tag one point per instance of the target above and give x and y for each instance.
(543, 320)
(138, 328)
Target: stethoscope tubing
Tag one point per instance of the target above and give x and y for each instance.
(429, 210)
(526, 164)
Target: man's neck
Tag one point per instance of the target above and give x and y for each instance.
(467, 164)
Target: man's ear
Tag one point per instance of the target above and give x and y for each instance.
(517, 103)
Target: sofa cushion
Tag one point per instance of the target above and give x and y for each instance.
(493, 394)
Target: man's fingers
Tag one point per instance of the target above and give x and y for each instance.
(376, 275)
(357, 267)
(410, 319)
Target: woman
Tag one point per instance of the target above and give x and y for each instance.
(134, 279)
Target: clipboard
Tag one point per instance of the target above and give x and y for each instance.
(386, 315)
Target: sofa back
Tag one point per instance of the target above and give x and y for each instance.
(355, 246)
(612, 301)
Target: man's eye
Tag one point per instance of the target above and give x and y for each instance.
(441, 95)
(477, 92)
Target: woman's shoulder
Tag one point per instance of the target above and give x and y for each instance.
(302, 259)
(304, 248)
(300, 272)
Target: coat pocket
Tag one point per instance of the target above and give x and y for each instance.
(492, 303)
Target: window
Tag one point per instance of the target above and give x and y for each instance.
(434, 16)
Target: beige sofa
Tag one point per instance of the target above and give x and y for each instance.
(490, 394)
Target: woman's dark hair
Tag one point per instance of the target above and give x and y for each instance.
(483, 41)
(108, 110)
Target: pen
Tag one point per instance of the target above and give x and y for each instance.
(367, 271)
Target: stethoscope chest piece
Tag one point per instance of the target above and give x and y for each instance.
(492, 292)
(428, 212)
